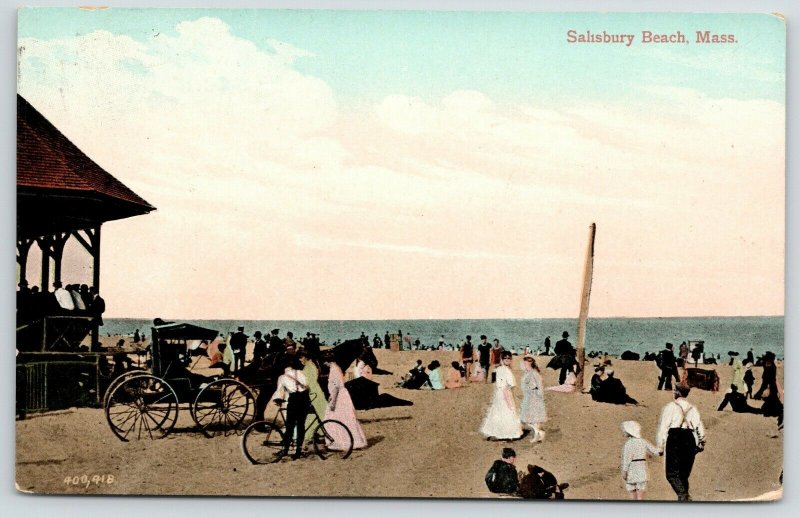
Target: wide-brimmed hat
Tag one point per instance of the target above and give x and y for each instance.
(632, 428)
(564, 334)
(733, 353)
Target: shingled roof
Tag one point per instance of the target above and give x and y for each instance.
(52, 173)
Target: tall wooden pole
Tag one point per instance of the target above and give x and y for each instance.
(587, 290)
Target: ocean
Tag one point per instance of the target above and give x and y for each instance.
(611, 335)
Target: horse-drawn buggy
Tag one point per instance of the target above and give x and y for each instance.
(142, 404)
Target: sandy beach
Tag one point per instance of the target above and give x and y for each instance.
(430, 449)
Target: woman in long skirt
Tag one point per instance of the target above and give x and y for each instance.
(340, 406)
(315, 393)
(502, 419)
(533, 412)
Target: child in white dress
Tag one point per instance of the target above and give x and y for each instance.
(634, 459)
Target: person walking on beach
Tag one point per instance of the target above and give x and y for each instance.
(533, 412)
(484, 356)
(547, 346)
(666, 362)
(386, 340)
(340, 407)
(681, 435)
(768, 376)
(634, 459)
(467, 354)
(565, 350)
(136, 337)
(502, 420)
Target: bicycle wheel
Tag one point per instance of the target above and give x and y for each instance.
(333, 439)
(262, 443)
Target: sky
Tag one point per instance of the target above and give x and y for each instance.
(374, 165)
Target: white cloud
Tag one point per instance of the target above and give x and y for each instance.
(262, 179)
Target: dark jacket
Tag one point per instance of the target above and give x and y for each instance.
(502, 478)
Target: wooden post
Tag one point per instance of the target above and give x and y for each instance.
(587, 289)
(95, 242)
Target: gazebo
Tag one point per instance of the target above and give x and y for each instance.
(61, 195)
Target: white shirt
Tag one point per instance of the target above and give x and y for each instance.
(290, 382)
(64, 299)
(77, 300)
(672, 416)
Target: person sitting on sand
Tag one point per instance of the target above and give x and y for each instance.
(738, 402)
(434, 381)
(362, 369)
(417, 377)
(569, 382)
(478, 373)
(502, 477)
(453, 380)
(613, 391)
(597, 381)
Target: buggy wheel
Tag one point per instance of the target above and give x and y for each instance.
(333, 439)
(223, 406)
(262, 443)
(116, 381)
(141, 406)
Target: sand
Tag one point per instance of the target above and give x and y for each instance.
(430, 449)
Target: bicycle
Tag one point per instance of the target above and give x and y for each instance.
(262, 441)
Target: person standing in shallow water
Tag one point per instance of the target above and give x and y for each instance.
(681, 435)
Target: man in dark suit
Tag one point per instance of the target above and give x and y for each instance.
(666, 362)
(239, 348)
(567, 352)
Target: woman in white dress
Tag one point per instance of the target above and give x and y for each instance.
(502, 419)
(533, 411)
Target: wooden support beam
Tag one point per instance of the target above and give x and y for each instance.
(95, 239)
(82, 240)
(588, 268)
(23, 249)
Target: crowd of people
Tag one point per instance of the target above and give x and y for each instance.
(72, 299)
(680, 434)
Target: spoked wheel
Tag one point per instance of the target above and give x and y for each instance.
(118, 380)
(223, 406)
(333, 439)
(141, 406)
(262, 443)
